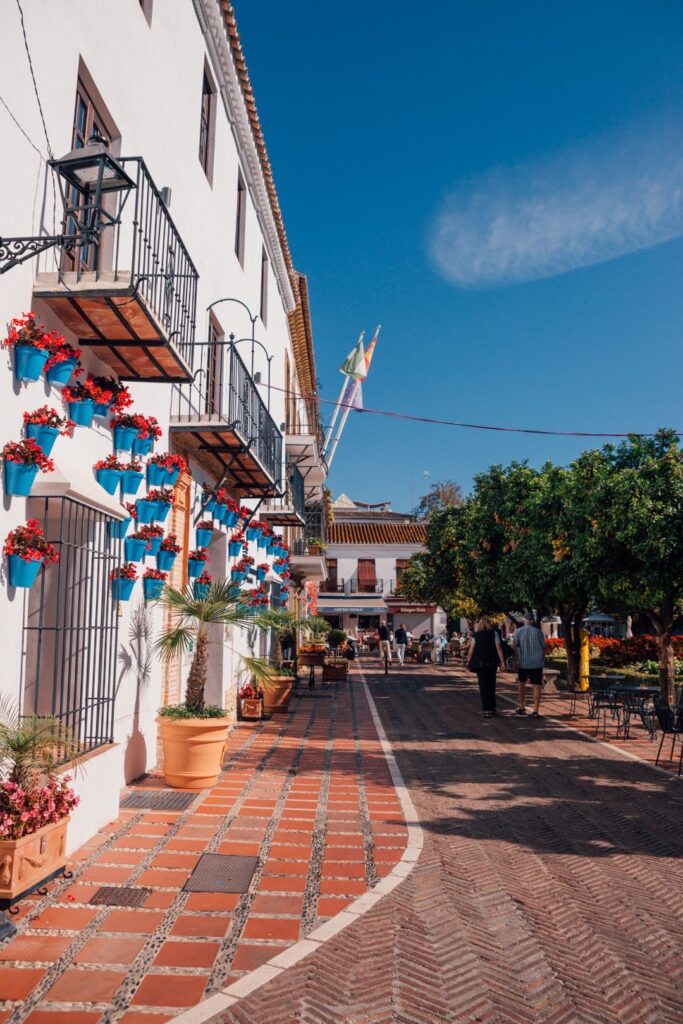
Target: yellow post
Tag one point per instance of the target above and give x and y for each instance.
(584, 682)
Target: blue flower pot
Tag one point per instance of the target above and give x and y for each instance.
(260, 575)
(82, 413)
(146, 510)
(204, 538)
(201, 591)
(172, 477)
(123, 438)
(152, 589)
(211, 506)
(165, 560)
(60, 373)
(270, 550)
(230, 518)
(19, 479)
(234, 548)
(130, 481)
(109, 479)
(156, 475)
(102, 408)
(262, 540)
(134, 549)
(153, 547)
(253, 533)
(118, 529)
(122, 589)
(195, 568)
(143, 445)
(237, 577)
(44, 437)
(162, 510)
(29, 361)
(23, 573)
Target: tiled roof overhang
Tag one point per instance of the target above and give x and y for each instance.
(376, 533)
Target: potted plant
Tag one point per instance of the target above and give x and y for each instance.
(81, 399)
(148, 431)
(27, 552)
(113, 396)
(195, 562)
(153, 583)
(63, 359)
(131, 476)
(264, 535)
(44, 426)
(175, 465)
(162, 499)
(23, 459)
(257, 598)
(135, 545)
(315, 546)
(125, 429)
(279, 689)
(262, 571)
(229, 509)
(31, 343)
(336, 638)
(35, 802)
(204, 533)
(236, 544)
(108, 473)
(154, 535)
(254, 528)
(315, 631)
(240, 569)
(118, 528)
(201, 586)
(193, 734)
(208, 498)
(335, 669)
(251, 702)
(168, 552)
(122, 581)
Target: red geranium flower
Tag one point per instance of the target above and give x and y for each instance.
(29, 543)
(27, 453)
(127, 571)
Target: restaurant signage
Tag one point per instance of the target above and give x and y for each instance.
(404, 608)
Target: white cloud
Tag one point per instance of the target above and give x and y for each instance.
(584, 206)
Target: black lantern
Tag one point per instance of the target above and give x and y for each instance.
(86, 177)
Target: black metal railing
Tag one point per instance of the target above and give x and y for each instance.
(71, 629)
(356, 586)
(143, 248)
(296, 491)
(224, 396)
(332, 587)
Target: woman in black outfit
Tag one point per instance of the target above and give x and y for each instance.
(485, 655)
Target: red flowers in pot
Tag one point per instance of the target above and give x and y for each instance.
(28, 542)
(169, 544)
(199, 555)
(23, 459)
(24, 330)
(127, 571)
(46, 416)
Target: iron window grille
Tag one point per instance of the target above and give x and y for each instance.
(71, 628)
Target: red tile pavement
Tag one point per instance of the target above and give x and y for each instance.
(290, 795)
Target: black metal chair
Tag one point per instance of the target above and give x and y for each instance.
(670, 724)
(606, 702)
(648, 716)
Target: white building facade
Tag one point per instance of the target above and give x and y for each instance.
(191, 300)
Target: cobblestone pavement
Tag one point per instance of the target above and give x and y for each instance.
(309, 794)
(548, 890)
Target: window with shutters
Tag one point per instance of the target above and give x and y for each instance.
(214, 367)
(401, 566)
(367, 577)
(240, 218)
(264, 287)
(331, 582)
(207, 124)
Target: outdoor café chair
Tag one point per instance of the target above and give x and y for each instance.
(670, 724)
(648, 716)
(606, 702)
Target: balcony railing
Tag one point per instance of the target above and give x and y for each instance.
(289, 509)
(132, 294)
(332, 587)
(365, 586)
(225, 420)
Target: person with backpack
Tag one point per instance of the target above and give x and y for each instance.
(485, 655)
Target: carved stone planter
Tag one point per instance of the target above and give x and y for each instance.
(251, 708)
(27, 863)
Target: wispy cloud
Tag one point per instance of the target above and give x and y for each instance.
(581, 207)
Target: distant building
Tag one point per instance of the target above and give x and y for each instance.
(368, 548)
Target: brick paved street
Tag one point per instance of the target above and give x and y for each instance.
(548, 889)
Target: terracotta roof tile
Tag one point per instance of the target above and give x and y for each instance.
(376, 533)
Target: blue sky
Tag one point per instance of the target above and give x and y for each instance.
(501, 186)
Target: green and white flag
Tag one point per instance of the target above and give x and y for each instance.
(354, 364)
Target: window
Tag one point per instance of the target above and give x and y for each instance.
(206, 125)
(214, 368)
(264, 287)
(87, 119)
(401, 566)
(288, 385)
(240, 218)
(367, 577)
(331, 575)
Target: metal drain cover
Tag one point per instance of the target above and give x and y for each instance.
(120, 896)
(221, 872)
(158, 800)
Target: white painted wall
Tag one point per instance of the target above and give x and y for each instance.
(385, 557)
(150, 80)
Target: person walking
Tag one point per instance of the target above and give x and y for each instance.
(400, 639)
(485, 655)
(384, 638)
(529, 645)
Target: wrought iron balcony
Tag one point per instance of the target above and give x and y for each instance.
(332, 587)
(221, 420)
(131, 294)
(289, 509)
(356, 586)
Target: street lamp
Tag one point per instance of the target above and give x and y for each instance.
(86, 176)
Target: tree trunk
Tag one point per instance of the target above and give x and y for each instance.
(196, 681)
(571, 625)
(665, 651)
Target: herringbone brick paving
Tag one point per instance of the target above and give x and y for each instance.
(548, 890)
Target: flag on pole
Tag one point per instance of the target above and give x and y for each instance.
(352, 397)
(354, 364)
(370, 350)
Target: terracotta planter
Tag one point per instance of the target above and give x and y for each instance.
(251, 708)
(278, 693)
(315, 658)
(193, 750)
(26, 862)
(334, 673)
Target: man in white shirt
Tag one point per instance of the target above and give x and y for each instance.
(528, 643)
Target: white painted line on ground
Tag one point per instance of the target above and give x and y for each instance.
(248, 983)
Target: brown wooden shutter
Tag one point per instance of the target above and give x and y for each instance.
(367, 577)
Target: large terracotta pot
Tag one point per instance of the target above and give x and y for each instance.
(193, 750)
(278, 691)
(26, 862)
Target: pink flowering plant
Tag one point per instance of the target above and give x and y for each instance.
(32, 793)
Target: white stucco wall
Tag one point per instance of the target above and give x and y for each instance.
(149, 78)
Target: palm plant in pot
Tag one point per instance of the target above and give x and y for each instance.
(284, 626)
(193, 734)
(35, 801)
